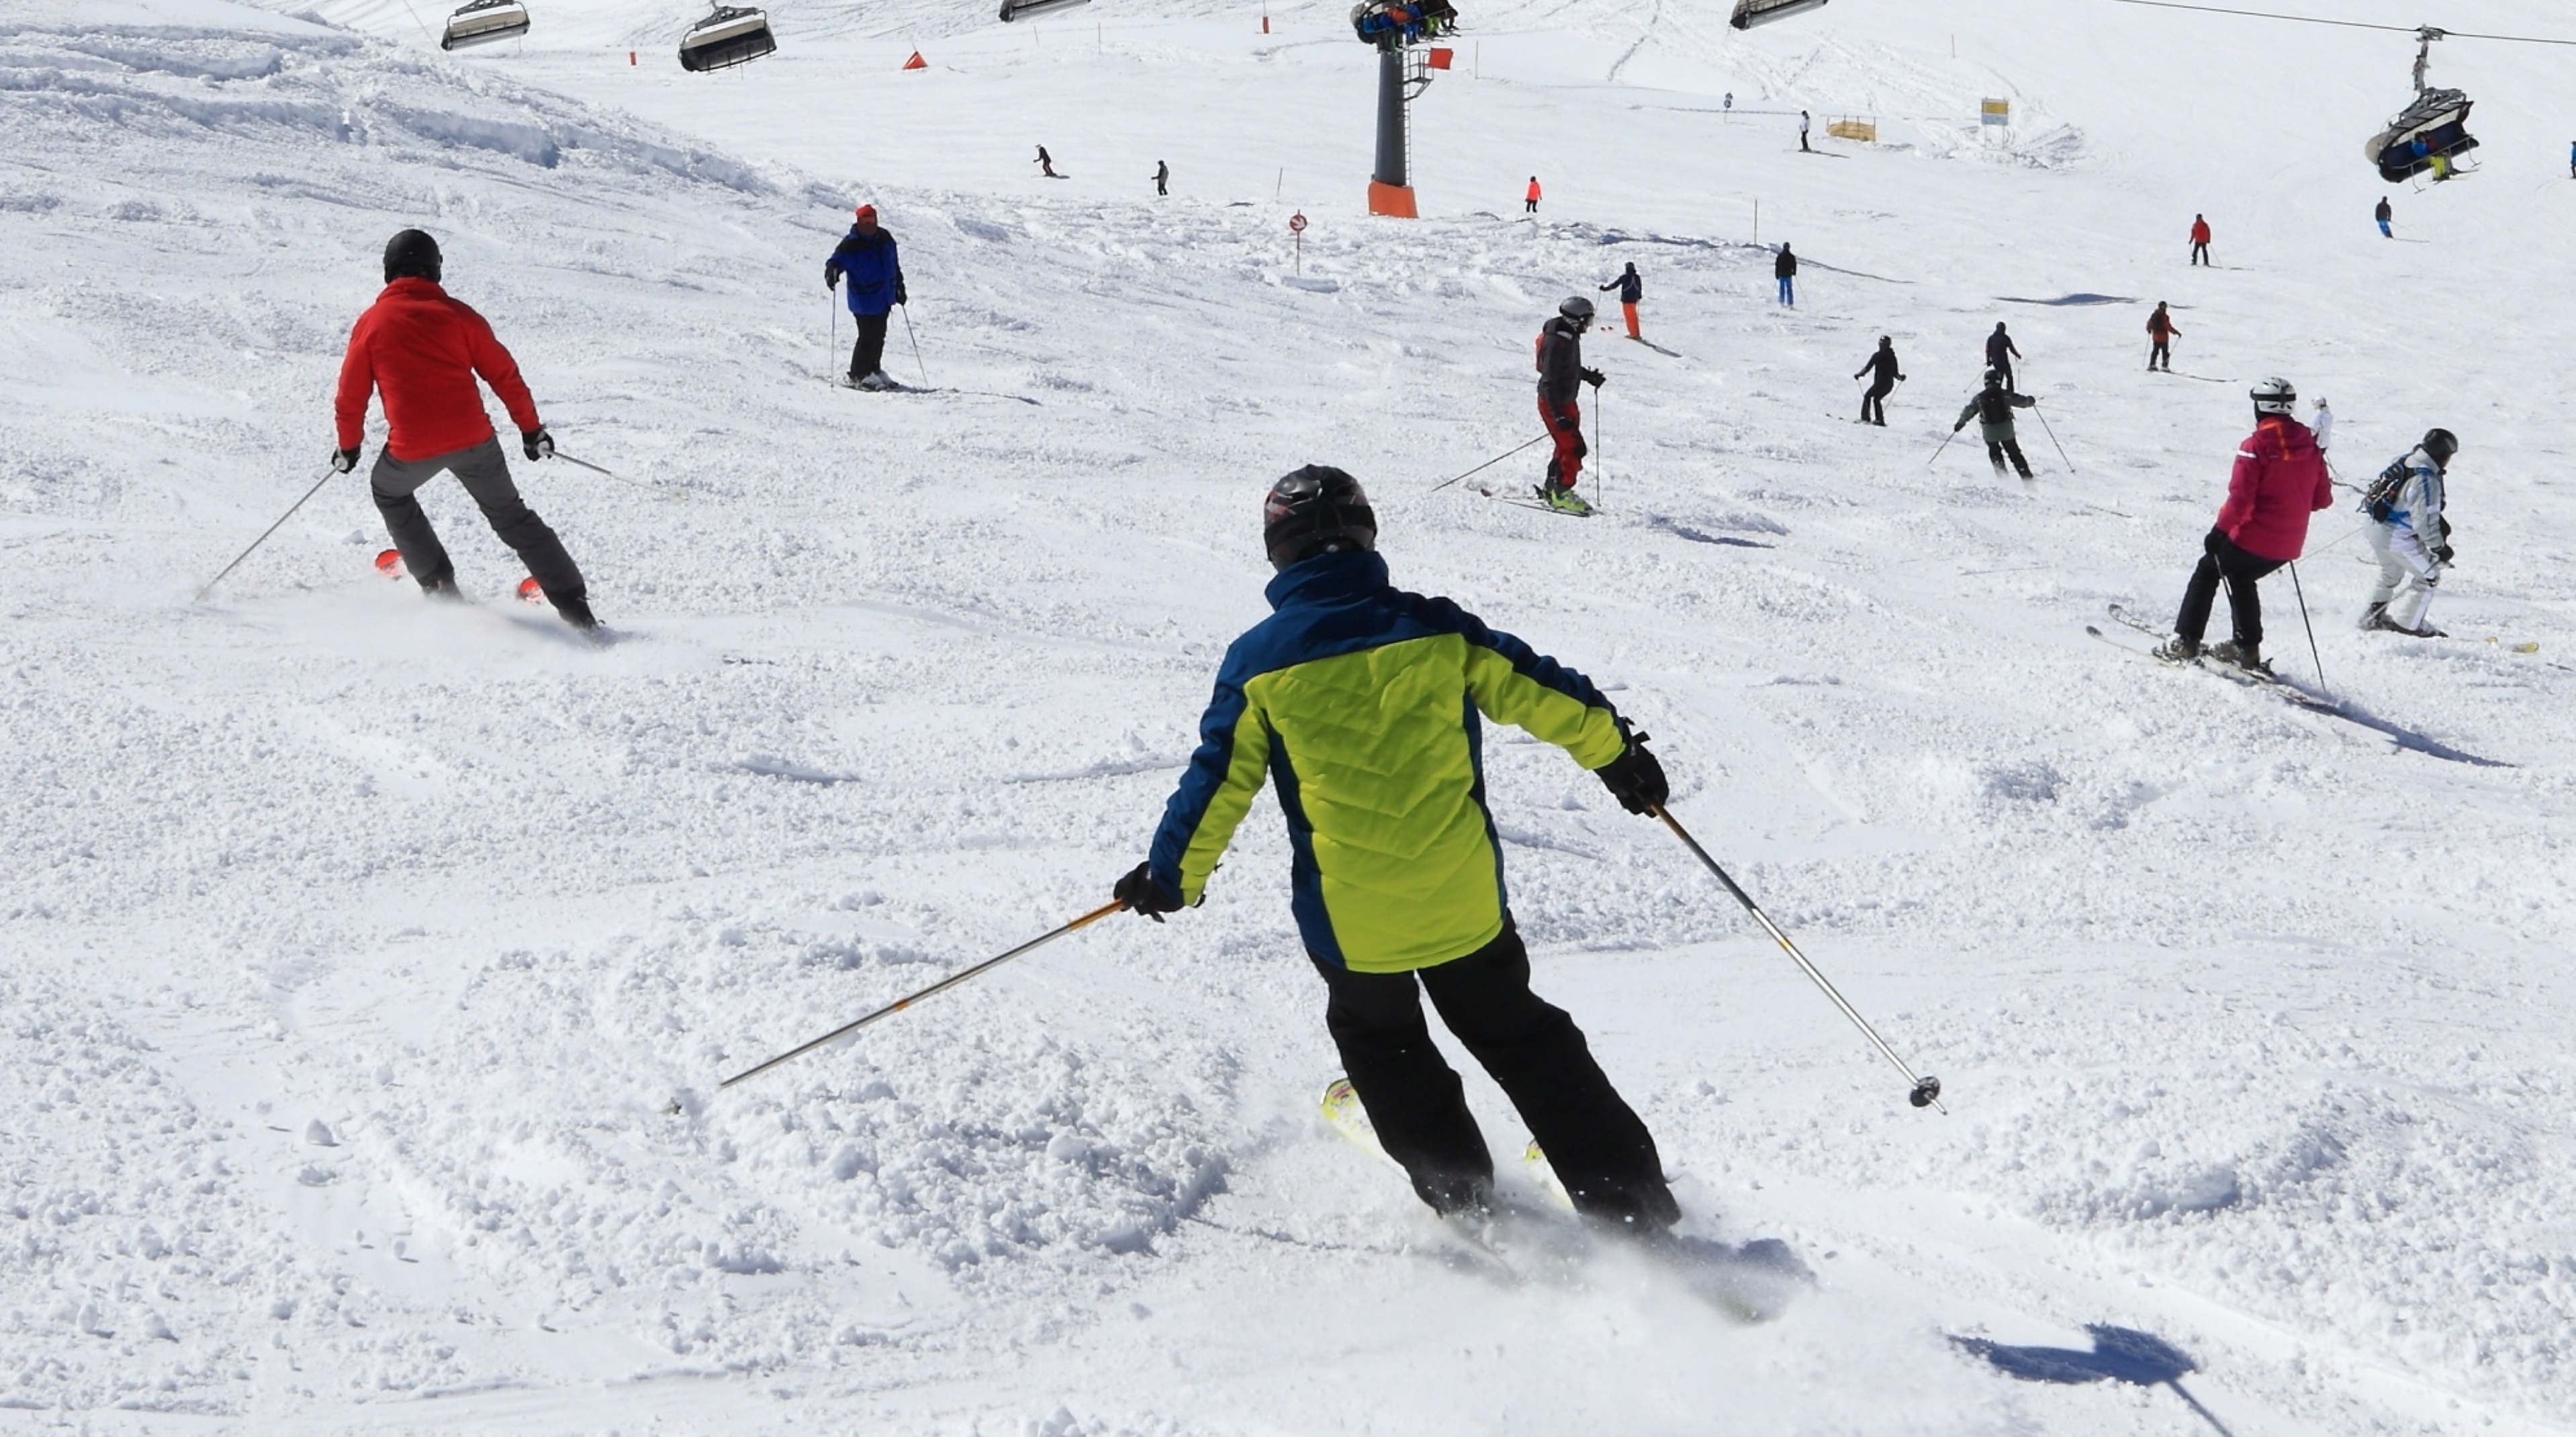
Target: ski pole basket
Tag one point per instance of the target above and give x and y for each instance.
(483, 22)
(732, 35)
(1749, 13)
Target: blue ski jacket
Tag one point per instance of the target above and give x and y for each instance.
(874, 272)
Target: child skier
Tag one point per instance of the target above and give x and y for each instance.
(867, 257)
(2160, 334)
(2410, 536)
(423, 350)
(1560, 370)
(1632, 288)
(1884, 376)
(2279, 480)
(1992, 409)
(1364, 700)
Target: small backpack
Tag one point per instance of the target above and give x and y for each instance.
(2381, 500)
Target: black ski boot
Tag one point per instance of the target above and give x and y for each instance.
(576, 612)
(2178, 650)
(2248, 657)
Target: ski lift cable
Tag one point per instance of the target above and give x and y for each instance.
(2352, 24)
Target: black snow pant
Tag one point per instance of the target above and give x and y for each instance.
(1598, 1146)
(2001, 443)
(867, 353)
(2222, 562)
(1873, 405)
(486, 475)
(2199, 253)
(2160, 352)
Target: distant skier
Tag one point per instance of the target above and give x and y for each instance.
(1046, 165)
(2410, 536)
(867, 257)
(2001, 352)
(2571, 159)
(1560, 375)
(1632, 288)
(1802, 133)
(1729, 104)
(1365, 703)
(1993, 410)
(2384, 214)
(2160, 335)
(2322, 426)
(2200, 239)
(423, 350)
(1884, 376)
(1162, 179)
(1784, 268)
(2279, 480)
(1529, 202)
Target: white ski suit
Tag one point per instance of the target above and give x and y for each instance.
(2405, 541)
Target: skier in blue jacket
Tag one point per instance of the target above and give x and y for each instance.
(866, 258)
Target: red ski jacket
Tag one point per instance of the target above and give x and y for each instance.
(2200, 231)
(2280, 480)
(423, 350)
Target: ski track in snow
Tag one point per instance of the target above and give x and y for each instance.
(369, 965)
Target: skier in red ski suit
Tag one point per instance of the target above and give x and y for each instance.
(2280, 479)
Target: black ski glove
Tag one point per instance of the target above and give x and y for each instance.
(538, 443)
(1143, 895)
(1955, 428)
(343, 460)
(1595, 378)
(900, 296)
(831, 277)
(1636, 779)
(2443, 553)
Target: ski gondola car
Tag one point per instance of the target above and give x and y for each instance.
(1388, 23)
(483, 22)
(1749, 13)
(1023, 9)
(2430, 134)
(732, 35)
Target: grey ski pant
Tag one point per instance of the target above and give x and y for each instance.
(485, 473)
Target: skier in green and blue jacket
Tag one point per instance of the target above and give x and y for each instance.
(1362, 703)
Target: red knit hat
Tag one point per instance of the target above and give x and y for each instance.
(867, 212)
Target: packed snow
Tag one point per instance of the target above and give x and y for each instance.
(370, 965)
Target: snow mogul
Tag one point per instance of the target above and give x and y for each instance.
(2279, 480)
(423, 349)
(1362, 701)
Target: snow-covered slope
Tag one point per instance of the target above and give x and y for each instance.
(370, 964)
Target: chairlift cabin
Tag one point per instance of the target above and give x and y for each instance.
(1390, 24)
(1027, 9)
(2430, 134)
(1749, 13)
(731, 35)
(484, 21)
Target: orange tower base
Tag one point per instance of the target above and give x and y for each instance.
(1393, 201)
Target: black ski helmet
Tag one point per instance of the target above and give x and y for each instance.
(1994, 379)
(2441, 444)
(1576, 308)
(411, 254)
(1316, 510)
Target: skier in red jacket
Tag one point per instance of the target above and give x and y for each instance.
(423, 350)
(2280, 480)
(2200, 239)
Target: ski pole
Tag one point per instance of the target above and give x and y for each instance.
(942, 986)
(916, 345)
(1488, 464)
(264, 533)
(1600, 417)
(1945, 443)
(1926, 1090)
(2052, 437)
(832, 355)
(665, 490)
(2299, 590)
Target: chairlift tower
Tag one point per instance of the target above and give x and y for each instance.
(1393, 28)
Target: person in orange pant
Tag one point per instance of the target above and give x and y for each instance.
(1531, 207)
(1631, 289)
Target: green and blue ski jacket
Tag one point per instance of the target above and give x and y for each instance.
(1361, 702)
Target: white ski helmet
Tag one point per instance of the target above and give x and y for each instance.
(1576, 308)
(2275, 396)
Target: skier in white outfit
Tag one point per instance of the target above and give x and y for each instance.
(2323, 427)
(2410, 536)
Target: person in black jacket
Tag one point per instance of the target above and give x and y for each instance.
(1631, 289)
(1884, 377)
(1560, 375)
(1993, 409)
(2001, 352)
(2384, 214)
(1785, 270)
(1162, 179)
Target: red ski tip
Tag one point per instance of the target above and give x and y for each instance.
(389, 563)
(529, 593)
